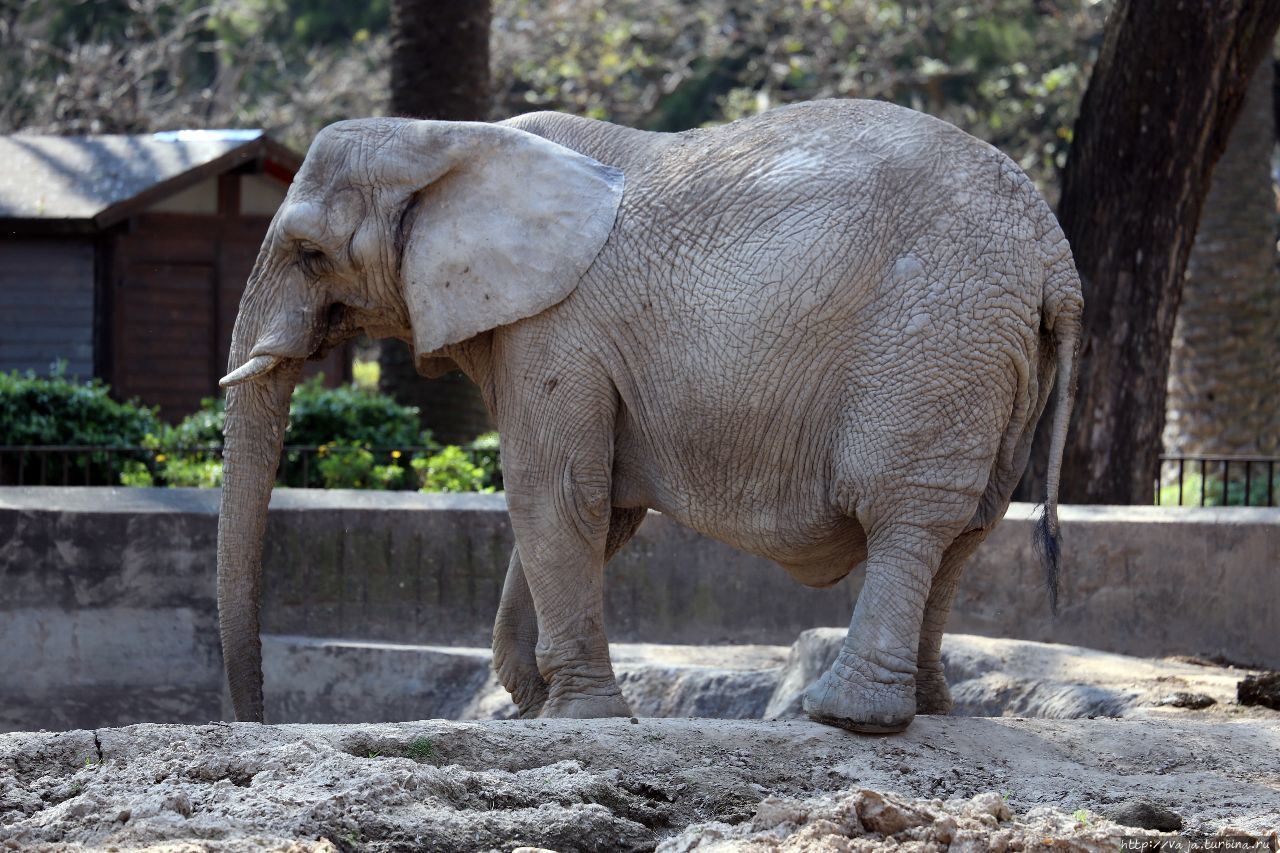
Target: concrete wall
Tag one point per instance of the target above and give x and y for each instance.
(107, 611)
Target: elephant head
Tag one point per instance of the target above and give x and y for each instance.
(429, 231)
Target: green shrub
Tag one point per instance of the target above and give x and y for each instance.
(47, 410)
(451, 470)
(351, 415)
(136, 474)
(200, 429)
(182, 471)
(345, 423)
(348, 417)
(485, 453)
(348, 467)
(57, 410)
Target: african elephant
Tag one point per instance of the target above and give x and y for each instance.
(823, 335)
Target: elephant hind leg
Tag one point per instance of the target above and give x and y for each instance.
(515, 632)
(932, 694)
(871, 686)
(623, 524)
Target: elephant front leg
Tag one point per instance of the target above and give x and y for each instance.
(561, 529)
(871, 687)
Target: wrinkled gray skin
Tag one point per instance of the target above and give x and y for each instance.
(823, 335)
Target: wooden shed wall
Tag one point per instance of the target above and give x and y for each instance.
(177, 286)
(46, 304)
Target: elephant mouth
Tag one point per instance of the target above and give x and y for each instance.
(339, 326)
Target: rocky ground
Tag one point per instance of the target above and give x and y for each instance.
(1116, 743)
(619, 785)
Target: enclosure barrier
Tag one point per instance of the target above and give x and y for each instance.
(1194, 480)
(1218, 480)
(108, 614)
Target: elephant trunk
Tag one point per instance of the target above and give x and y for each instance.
(257, 415)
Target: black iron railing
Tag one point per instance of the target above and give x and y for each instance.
(1181, 481)
(1218, 481)
(105, 465)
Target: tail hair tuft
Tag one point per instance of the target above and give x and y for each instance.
(1049, 548)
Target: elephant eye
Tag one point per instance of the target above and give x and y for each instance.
(313, 261)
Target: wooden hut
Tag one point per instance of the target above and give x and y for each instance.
(126, 256)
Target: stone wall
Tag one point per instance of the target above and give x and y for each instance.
(107, 610)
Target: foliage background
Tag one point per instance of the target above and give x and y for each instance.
(1009, 71)
(365, 440)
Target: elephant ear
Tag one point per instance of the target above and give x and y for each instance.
(505, 229)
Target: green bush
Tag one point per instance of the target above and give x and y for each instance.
(348, 467)
(351, 415)
(54, 409)
(485, 453)
(200, 429)
(173, 471)
(345, 423)
(57, 410)
(451, 470)
(348, 417)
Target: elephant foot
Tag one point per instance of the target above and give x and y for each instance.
(586, 707)
(861, 705)
(530, 702)
(933, 696)
(528, 691)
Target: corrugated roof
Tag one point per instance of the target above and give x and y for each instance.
(84, 177)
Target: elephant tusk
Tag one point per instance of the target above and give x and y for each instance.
(251, 369)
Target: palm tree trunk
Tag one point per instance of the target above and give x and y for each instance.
(1224, 368)
(439, 70)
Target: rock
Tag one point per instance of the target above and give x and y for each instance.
(722, 793)
(990, 803)
(775, 811)
(868, 820)
(888, 814)
(695, 691)
(1261, 690)
(1184, 699)
(1144, 814)
(179, 803)
(811, 655)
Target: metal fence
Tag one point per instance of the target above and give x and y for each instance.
(1218, 481)
(1181, 481)
(74, 465)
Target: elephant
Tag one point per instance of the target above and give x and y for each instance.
(823, 335)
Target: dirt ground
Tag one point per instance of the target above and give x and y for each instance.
(671, 784)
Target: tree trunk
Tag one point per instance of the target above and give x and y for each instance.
(1224, 368)
(439, 70)
(1168, 84)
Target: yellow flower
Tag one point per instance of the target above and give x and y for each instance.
(395, 454)
(322, 449)
(160, 457)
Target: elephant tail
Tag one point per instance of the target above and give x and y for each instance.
(1064, 309)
